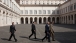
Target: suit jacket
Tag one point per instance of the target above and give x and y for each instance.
(33, 27)
(51, 28)
(47, 28)
(12, 29)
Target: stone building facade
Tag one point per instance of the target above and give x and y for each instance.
(40, 11)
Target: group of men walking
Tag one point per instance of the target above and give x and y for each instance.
(49, 32)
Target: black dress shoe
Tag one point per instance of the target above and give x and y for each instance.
(35, 38)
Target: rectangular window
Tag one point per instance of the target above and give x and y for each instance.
(26, 11)
(49, 12)
(75, 6)
(68, 8)
(57, 11)
(44, 11)
(22, 2)
(31, 12)
(53, 11)
(21, 11)
(71, 7)
(35, 11)
(40, 12)
(60, 11)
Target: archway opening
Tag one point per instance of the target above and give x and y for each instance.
(40, 20)
(22, 20)
(57, 20)
(26, 19)
(53, 19)
(49, 19)
(35, 19)
(69, 18)
(31, 20)
(44, 20)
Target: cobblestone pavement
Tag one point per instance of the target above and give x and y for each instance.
(63, 34)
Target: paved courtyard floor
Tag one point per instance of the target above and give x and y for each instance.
(63, 34)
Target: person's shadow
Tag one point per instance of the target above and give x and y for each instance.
(4, 39)
(33, 39)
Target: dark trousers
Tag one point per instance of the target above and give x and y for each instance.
(47, 36)
(12, 34)
(33, 33)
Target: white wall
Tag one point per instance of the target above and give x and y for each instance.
(38, 8)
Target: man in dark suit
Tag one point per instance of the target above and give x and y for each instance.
(47, 32)
(12, 31)
(33, 29)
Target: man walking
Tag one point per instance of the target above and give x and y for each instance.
(12, 31)
(47, 32)
(52, 31)
(33, 30)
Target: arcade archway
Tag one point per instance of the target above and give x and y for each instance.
(44, 20)
(53, 19)
(35, 19)
(49, 19)
(26, 19)
(22, 20)
(40, 20)
(31, 20)
(57, 20)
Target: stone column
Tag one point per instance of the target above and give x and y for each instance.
(33, 19)
(5, 18)
(38, 20)
(28, 20)
(55, 20)
(73, 18)
(42, 20)
(46, 19)
(51, 19)
(65, 19)
(70, 19)
(24, 20)
(0, 18)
